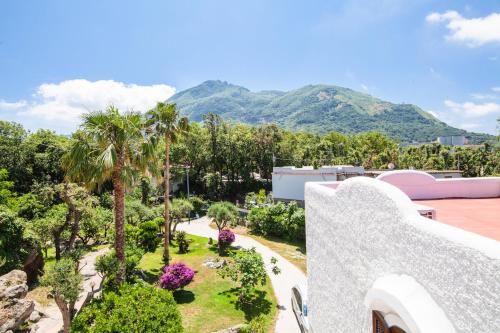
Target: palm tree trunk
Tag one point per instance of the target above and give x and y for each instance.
(166, 180)
(119, 196)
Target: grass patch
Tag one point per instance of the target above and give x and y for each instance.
(210, 303)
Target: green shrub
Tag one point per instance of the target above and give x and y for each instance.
(256, 325)
(107, 266)
(182, 241)
(132, 308)
(279, 220)
(148, 236)
(199, 205)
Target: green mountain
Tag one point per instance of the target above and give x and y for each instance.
(316, 108)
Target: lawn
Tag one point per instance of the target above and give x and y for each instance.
(210, 303)
(293, 251)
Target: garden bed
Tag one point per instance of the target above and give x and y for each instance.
(210, 303)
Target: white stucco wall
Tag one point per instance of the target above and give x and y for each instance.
(366, 230)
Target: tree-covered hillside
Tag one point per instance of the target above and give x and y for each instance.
(316, 108)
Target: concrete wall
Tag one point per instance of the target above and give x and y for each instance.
(366, 231)
(421, 185)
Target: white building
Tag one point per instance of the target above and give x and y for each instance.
(452, 140)
(289, 182)
(376, 265)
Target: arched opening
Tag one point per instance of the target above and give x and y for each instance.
(401, 305)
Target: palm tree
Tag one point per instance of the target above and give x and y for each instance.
(110, 146)
(165, 122)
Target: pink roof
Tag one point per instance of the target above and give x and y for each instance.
(480, 216)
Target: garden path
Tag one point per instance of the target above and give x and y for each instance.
(282, 283)
(51, 322)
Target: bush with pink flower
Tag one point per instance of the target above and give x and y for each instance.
(226, 238)
(176, 276)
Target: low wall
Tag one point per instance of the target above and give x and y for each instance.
(421, 185)
(367, 230)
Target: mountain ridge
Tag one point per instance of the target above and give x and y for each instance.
(318, 108)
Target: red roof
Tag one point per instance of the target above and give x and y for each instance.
(480, 216)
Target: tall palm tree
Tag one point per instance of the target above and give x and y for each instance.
(110, 146)
(165, 122)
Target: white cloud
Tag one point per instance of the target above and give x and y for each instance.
(473, 32)
(472, 110)
(483, 96)
(496, 89)
(4, 105)
(60, 105)
(364, 87)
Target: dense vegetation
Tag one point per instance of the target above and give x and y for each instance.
(318, 109)
(110, 182)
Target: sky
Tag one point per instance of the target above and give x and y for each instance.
(60, 59)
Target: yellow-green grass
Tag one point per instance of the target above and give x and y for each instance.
(210, 303)
(293, 251)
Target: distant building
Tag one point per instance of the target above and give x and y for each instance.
(453, 140)
(288, 182)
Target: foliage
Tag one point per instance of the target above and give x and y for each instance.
(66, 284)
(256, 325)
(107, 265)
(226, 238)
(148, 236)
(6, 186)
(15, 243)
(64, 280)
(280, 220)
(223, 214)
(133, 308)
(176, 276)
(247, 269)
(182, 241)
(198, 204)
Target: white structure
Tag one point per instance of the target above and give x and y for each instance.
(453, 140)
(369, 253)
(289, 182)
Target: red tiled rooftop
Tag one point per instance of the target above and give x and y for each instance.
(480, 216)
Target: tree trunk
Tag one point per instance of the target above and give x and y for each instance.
(119, 196)
(74, 228)
(166, 181)
(65, 311)
(57, 244)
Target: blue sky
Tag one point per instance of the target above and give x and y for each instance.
(61, 58)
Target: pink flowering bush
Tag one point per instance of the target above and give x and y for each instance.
(176, 276)
(226, 237)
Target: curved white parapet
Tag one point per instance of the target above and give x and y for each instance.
(405, 303)
(421, 185)
(366, 229)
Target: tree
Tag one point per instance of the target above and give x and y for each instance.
(166, 123)
(223, 214)
(181, 208)
(65, 284)
(112, 147)
(51, 226)
(148, 239)
(248, 269)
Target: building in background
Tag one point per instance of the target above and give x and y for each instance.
(289, 182)
(405, 253)
(453, 140)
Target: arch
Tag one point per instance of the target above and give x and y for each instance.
(400, 296)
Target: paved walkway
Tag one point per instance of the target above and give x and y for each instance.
(52, 320)
(282, 283)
